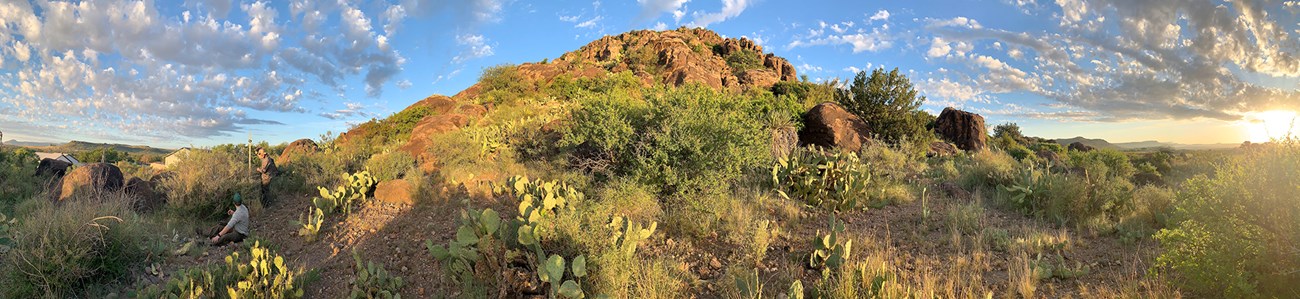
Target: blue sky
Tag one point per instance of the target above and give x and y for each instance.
(204, 72)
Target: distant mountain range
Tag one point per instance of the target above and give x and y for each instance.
(1102, 143)
(15, 142)
(81, 146)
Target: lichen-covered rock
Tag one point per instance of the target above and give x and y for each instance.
(90, 180)
(829, 125)
(964, 129)
(147, 198)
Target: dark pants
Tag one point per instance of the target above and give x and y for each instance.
(231, 237)
(266, 190)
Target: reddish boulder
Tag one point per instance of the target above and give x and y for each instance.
(90, 180)
(396, 192)
(298, 148)
(829, 125)
(964, 129)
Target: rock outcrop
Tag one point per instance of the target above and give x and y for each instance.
(1052, 158)
(395, 192)
(298, 148)
(829, 125)
(445, 115)
(941, 149)
(91, 179)
(147, 198)
(1079, 146)
(52, 168)
(964, 129)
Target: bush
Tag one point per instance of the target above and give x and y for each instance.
(204, 183)
(1235, 233)
(390, 166)
(17, 176)
(64, 250)
(682, 140)
(987, 169)
(888, 103)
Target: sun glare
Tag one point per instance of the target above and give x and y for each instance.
(1269, 125)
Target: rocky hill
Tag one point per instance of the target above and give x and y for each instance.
(1094, 143)
(672, 57)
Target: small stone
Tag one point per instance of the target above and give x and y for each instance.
(715, 263)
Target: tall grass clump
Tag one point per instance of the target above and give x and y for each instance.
(1235, 234)
(202, 185)
(65, 250)
(987, 169)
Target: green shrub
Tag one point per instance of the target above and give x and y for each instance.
(967, 218)
(1103, 163)
(1152, 207)
(18, 179)
(681, 139)
(390, 166)
(1234, 234)
(205, 182)
(988, 169)
(888, 103)
(64, 250)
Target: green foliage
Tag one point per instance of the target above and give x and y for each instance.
(966, 217)
(1058, 268)
(1235, 233)
(503, 84)
(104, 154)
(830, 251)
(553, 272)
(834, 180)
(372, 281)
(390, 166)
(311, 223)
(17, 176)
(888, 103)
(59, 251)
(1010, 130)
(743, 60)
(264, 275)
(356, 186)
(205, 182)
(463, 257)
(627, 234)
(987, 169)
(682, 140)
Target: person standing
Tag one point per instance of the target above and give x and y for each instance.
(268, 171)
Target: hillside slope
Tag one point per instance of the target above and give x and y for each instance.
(672, 57)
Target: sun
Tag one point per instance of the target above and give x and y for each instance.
(1269, 125)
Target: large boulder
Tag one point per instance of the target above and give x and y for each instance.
(298, 148)
(1079, 146)
(396, 192)
(829, 125)
(147, 197)
(52, 168)
(1052, 158)
(91, 179)
(964, 129)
